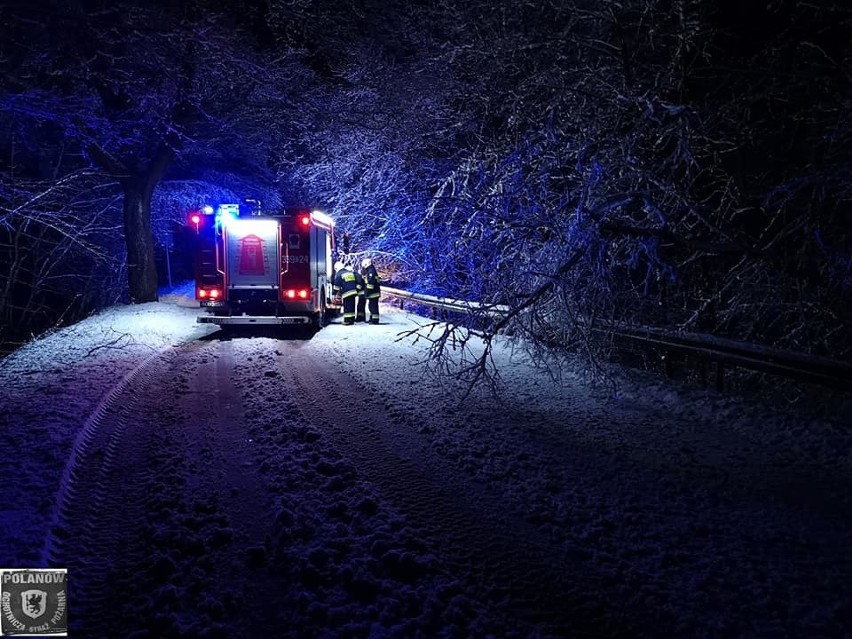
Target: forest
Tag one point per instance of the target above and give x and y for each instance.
(675, 164)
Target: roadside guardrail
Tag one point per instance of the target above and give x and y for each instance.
(723, 352)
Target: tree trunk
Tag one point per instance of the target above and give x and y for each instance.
(141, 267)
(138, 187)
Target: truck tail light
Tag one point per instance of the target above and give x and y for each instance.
(208, 293)
(292, 293)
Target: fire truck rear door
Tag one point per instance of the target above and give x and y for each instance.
(253, 254)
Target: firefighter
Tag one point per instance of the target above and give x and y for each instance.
(346, 286)
(372, 289)
(360, 310)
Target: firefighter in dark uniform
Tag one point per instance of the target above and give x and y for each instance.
(360, 309)
(372, 289)
(346, 286)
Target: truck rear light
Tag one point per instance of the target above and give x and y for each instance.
(305, 220)
(211, 293)
(301, 293)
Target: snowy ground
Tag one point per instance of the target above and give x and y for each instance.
(689, 513)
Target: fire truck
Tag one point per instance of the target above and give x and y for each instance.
(264, 269)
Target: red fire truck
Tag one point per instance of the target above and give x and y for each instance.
(264, 269)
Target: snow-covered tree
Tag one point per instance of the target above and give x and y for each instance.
(135, 85)
(672, 164)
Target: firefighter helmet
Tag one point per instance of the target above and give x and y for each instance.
(365, 263)
(338, 265)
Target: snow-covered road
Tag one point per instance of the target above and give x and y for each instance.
(324, 486)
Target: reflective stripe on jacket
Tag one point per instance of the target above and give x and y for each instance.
(371, 282)
(346, 283)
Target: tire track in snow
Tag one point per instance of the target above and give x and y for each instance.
(353, 565)
(499, 554)
(227, 472)
(166, 507)
(91, 435)
(101, 504)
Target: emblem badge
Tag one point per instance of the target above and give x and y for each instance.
(33, 603)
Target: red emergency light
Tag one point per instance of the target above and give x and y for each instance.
(305, 220)
(195, 220)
